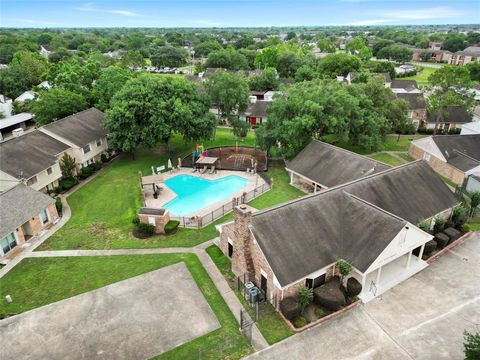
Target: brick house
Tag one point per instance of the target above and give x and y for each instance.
(256, 112)
(83, 133)
(450, 117)
(471, 53)
(25, 213)
(453, 156)
(156, 217)
(417, 107)
(369, 222)
(316, 167)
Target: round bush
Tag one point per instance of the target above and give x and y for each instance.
(430, 247)
(353, 287)
(329, 296)
(290, 308)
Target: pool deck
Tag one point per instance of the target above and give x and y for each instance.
(167, 194)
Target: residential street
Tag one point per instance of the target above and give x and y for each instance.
(422, 318)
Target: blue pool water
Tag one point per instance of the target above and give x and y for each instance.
(194, 193)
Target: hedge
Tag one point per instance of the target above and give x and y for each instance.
(171, 226)
(67, 183)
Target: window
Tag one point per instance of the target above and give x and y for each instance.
(44, 217)
(86, 149)
(99, 142)
(426, 156)
(8, 243)
(49, 171)
(313, 283)
(32, 181)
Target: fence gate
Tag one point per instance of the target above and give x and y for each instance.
(246, 324)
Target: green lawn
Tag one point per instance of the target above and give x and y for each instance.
(387, 159)
(36, 282)
(422, 75)
(103, 209)
(270, 324)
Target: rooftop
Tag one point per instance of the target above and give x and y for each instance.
(450, 114)
(462, 151)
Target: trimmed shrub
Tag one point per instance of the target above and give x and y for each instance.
(459, 216)
(58, 205)
(171, 226)
(466, 228)
(452, 233)
(145, 229)
(96, 166)
(430, 247)
(290, 308)
(305, 297)
(86, 171)
(454, 131)
(353, 287)
(319, 312)
(442, 240)
(67, 183)
(439, 225)
(300, 322)
(136, 220)
(330, 296)
(103, 158)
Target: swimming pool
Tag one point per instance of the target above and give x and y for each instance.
(194, 193)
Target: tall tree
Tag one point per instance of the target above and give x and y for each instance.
(338, 65)
(326, 45)
(227, 59)
(229, 93)
(133, 58)
(169, 56)
(149, 108)
(358, 47)
(266, 81)
(108, 84)
(55, 104)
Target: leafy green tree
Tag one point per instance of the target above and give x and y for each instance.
(288, 63)
(454, 42)
(290, 35)
(133, 58)
(25, 70)
(338, 65)
(381, 67)
(169, 56)
(305, 297)
(326, 45)
(55, 104)
(266, 81)
(344, 267)
(67, 166)
(136, 41)
(229, 93)
(268, 57)
(60, 54)
(305, 73)
(474, 70)
(450, 76)
(358, 47)
(149, 108)
(227, 58)
(108, 84)
(471, 345)
(205, 48)
(474, 201)
(395, 52)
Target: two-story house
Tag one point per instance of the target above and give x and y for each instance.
(33, 159)
(83, 133)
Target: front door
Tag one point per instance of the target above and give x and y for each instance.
(263, 284)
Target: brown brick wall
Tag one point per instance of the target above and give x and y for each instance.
(438, 165)
(160, 221)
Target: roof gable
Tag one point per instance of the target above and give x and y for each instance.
(462, 151)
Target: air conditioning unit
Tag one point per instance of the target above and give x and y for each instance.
(17, 132)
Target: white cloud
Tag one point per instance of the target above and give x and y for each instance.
(90, 7)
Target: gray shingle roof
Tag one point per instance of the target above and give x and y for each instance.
(258, 108)
(29, 154)
(415, 101)
(18, 205)
(355, 221)
(462, 151)
(329, 165)
(404, 84)
(81, 128)
(450, 114)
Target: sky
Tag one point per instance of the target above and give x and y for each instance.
(234, 13)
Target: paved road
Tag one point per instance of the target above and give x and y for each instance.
(136, 318)
(422, 318)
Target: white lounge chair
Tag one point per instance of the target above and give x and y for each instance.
(212, 170)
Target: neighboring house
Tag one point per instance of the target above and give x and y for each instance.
(32, 158)
(470, 128)
(25, 213)
(27, 95)
(44, 51)
(453, 156)
(256, 112)
(451, 117)
(435, 45)
(369, 222)
(83, 133)
(268, 96)
(471, 53)
(321, 166)
(6, 106)
(473, 182)
(432, 55)
(403, 86)
(11, 123)
(417, 107)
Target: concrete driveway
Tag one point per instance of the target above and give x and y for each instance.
(421, 318)
(136, 318)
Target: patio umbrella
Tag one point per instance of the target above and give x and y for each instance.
(169, 164)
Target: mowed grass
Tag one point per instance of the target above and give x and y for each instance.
(422, 75)
(270, 324)
(387, 159)
(36, 282)
(103, 209)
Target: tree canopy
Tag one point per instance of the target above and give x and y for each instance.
(108, 84)
(338, 65)
(226, 58)
(169, 56)
(148, 109)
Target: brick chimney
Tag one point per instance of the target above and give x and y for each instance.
(242, 257)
